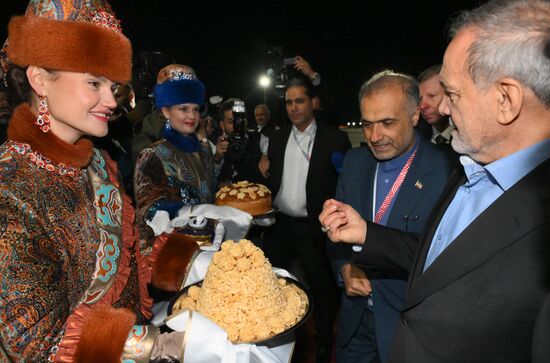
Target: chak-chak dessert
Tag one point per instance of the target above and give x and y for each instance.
(242, 295)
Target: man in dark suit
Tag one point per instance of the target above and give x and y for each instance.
(302, 176)
(264, 124)
(431, 94)
(477, 286)
(397, 159)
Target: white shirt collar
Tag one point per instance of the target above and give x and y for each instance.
(446, 133)
(309, 131)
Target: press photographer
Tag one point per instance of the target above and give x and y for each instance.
(240, 161)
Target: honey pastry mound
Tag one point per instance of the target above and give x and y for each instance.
(252, 198)
(242, 295)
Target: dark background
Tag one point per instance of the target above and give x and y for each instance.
(345, 41)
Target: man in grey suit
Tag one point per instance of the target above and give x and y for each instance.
(478, 284)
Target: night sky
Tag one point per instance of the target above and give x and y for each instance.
(345, 41)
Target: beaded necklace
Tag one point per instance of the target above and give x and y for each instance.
(41, 161)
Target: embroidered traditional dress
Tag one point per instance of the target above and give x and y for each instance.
(69, 253)
(168, 177)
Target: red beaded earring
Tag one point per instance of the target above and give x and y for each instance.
(43, 120)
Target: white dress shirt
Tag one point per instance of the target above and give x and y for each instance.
(291, 198)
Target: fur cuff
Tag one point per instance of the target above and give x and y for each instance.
(69, 46)
(173, 262)
(104, 334)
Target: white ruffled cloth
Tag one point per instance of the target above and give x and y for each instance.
(206, 342)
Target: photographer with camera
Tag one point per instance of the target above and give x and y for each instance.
(242, 153)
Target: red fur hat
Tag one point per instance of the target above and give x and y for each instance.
(89, 41)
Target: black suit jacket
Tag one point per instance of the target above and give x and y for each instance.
(321, 177)
(269, 129)
(481, 298)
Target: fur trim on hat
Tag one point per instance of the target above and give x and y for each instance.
(172, 93)
(104, 334)
(69, 46)
(173, 262)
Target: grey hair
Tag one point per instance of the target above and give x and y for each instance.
(261, 105)
(386, 78)
(512, 36)
(429, 73)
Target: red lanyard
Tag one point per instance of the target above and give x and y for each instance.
(395, 187)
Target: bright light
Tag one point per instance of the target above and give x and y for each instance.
(264, 81)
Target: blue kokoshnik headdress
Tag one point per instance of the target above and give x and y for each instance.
(178, 91)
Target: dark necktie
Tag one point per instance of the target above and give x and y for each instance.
(441, 140)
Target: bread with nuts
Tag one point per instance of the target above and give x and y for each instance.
(252, 198)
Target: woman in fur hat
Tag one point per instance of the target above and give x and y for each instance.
(177, 170)
(73, 272)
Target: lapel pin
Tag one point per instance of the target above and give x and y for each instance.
(418, 184)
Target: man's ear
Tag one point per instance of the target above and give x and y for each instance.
(222, 126)
(416, 116)
(38, 80)
(509, 93)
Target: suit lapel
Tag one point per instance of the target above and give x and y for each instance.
(410, 194)
(511, 216)
(319, 142)
(365, 181)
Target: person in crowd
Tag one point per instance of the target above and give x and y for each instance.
(150, 128)
(205, 130)
(302, 177)
(478, 287)
(262, 116)
(240, 148)
(5, 113)
(178, 169)
(74, 273)
(431, 95)
(303, 70)
(266, 128)
(394, 182)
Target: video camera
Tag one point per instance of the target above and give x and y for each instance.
(280, 69)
